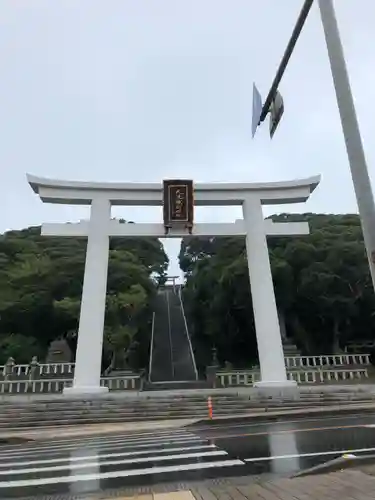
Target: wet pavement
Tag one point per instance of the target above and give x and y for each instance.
(284, 448)
(76, 466)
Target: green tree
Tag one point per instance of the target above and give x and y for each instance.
(123, 311)
(322, 287)
(19, 347)
(41, 286)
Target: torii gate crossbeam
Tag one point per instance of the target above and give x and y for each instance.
(100, 227)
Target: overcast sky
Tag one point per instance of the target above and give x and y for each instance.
(142, 90)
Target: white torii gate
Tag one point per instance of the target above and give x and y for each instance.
(102, 195)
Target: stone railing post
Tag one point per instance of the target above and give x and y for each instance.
(141, 381)
(34, 369)
(211, 370)
(9, 368)
(211, 376)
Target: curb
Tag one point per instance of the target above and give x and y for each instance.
(344, 462)
(269, 416)
(13, 440)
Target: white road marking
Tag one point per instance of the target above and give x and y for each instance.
(119, 474)
(107, 445)
(316, 454)
(118, 433)
(113, 462)
(114, 435)
(106, 455)
(94, 442)
(299, 421)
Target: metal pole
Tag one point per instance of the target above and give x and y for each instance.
(350, 127)
(287, 54)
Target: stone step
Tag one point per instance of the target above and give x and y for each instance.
(168, 386)
(122, 411)
(109, 418)
(123, 404)
(84, 420)
(156, 406)
(98, 417)
(53, 415)
(173, 402)
(224, 393)
(126, 402)
(121, 414)
(42, 413)
(70, 412)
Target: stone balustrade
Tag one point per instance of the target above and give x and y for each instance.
(53, 377)
(56, 368)
(334, 360)
(44, 386)
(323, 376)
(243, 377)
(42, 369)
(359, 346)
(223, 379)
(291, 362)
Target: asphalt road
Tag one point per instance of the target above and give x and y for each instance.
(292, 446)
(86, 464)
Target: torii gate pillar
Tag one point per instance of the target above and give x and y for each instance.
(100, 227)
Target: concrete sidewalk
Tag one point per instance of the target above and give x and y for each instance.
(285, 411)
(345, 485)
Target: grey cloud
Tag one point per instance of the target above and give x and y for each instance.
(144, 90)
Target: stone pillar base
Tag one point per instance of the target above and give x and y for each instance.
(81, 391)
(285, 388)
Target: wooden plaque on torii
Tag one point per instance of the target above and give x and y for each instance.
(178, 204)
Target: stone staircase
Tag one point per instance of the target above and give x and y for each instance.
(176, 385)
(289, 348)
(184, 364)
(172, 363)
(162, 363)
(59, 411)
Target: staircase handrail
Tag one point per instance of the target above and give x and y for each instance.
(152, 346)
(187, 333)
(170, 335)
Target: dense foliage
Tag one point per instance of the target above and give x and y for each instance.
(322, 287)
(40, 292)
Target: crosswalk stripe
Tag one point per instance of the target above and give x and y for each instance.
(98, 439)
(306, 455)
(119, 443)
(81, 464)
(158, 458)
(132, 437)
(119, 474)
(97, 442)
(106, 455)
(161, 432)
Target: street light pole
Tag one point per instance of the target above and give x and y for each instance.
(349, 122)
(287, 54)
(350, 127)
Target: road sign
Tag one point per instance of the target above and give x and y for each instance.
(257, 109)
(276, 111)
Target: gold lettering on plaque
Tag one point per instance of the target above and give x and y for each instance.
(178, 203)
